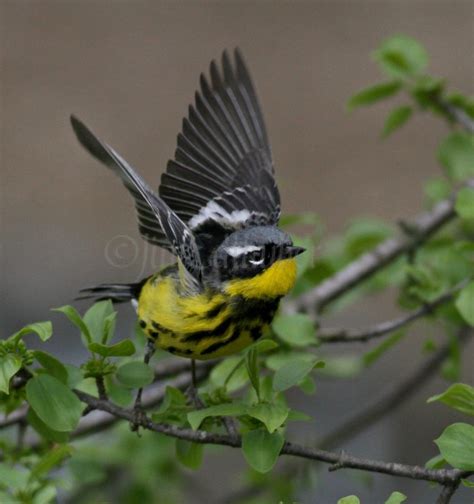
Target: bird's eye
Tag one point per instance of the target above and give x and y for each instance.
(256, 257)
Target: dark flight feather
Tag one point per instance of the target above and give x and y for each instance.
(155, 217)
(223, 159)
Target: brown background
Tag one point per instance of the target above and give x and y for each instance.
(129, 69)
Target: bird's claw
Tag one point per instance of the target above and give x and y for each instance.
(138, 419)
(194, 398)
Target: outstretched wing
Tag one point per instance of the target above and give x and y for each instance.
(222, 171)
(156, 219)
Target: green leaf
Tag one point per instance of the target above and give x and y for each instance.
(374, 94)
(458, 396)
(195, 418)
(297, 329)
(343, 366)
(173, 409)
(17, 478)
(272, 415)
(427, 92)
(261, 449)
(451, 368)
(436, 462)
(72, 314)
(109, 327)
(276, 360)
(135, 374)
(396, 498)
(456, 155)
(298, 416)
(463, 102)
(465, 203)
(46, 495)
(437, 189)
(251, 364)
(10, 364)
(43, 430)
(396, 119)
(96, 320)
(401, 57)
(231, 367)
(350, 499)
(43, 329)
(56, 405)
(124, 348)
(467, 483)
(264, 345)
(456, 445)
(364, 234)
(52, 365)
(372, 355)
(53, 457)
(307, 385)
(74, 375)
(293, 372)
(119, 394)
(465, 303)
(189, 453)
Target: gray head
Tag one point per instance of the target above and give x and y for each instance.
(250, 251)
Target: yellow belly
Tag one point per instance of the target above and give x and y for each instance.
(212, 324)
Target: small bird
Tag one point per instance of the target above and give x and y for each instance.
(217, 210)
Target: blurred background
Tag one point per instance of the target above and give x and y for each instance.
(129, 70)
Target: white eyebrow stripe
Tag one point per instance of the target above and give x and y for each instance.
(238, 251)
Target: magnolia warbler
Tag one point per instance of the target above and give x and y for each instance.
(217, 210)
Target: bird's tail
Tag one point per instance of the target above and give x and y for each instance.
(117, 293)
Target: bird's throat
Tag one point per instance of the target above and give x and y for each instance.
(275, 281)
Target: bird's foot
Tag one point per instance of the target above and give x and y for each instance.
(138, 419)
(193, 397)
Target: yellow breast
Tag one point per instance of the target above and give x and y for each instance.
(213, 324)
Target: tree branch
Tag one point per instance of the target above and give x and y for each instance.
(458, 115)
(366, 418)
(447, 492)
(151, 397)
(363, 335)
(425, 225)
(442, 476)
(393, 398)
(98, 421)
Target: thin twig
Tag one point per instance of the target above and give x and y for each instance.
(442, 476)
(369, 263)
(98, 421)
(99, 381)
(17, 416)
(447, 492)
(391, 400)
(426, 224)
(363, 335)
(458, 115)
(172, 367)
(151, 396)
(365, 419)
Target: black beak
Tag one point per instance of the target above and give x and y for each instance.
(292, 251)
